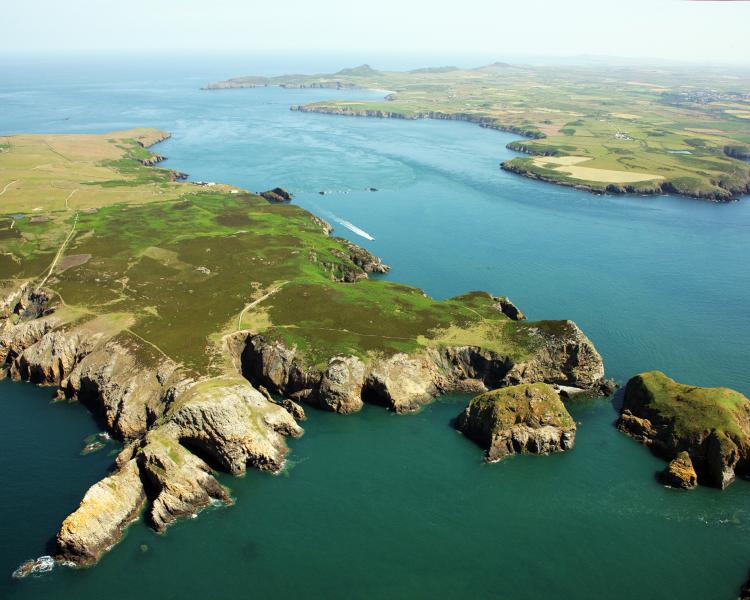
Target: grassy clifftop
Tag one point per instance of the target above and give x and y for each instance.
(647, 130)
(182, 265)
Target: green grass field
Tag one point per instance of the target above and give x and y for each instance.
(175, 272)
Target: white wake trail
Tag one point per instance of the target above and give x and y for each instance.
(354, 228)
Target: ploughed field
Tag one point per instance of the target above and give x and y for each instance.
(617, 129)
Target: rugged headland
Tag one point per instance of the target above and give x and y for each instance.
(619, 130)
(174, 311)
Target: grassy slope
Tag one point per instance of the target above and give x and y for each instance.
(526, 403)
(659, 115)
(173, 272)
(694, 410)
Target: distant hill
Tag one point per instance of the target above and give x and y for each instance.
(360, 71)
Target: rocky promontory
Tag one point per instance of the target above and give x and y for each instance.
(403, 382)
(703, 431)
(175, 429)
(521, 419)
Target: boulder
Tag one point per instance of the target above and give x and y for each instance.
(294, 409)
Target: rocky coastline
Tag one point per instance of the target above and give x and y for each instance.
(176, 429)
(482, 121)
(647, 188)
(170, 424)
(404, 382)
(178, 426)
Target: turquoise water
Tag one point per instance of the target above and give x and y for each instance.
(377, 505)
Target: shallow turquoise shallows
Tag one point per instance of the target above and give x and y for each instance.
(381, 506)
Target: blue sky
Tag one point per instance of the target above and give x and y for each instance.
(675, 29)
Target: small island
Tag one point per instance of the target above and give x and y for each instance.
(703, 432)
(520, 419)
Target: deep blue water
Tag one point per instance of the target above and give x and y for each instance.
(655, 283)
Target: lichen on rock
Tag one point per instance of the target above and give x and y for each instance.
(521, 419)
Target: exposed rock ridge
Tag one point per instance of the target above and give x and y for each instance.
(152, 160)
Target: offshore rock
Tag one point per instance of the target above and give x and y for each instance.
(107, 508)
(680, 473)
(526, 419)
(711, 424)
(277, 195)
(34, 566)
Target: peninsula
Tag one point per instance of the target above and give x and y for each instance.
(605, 130)
(175, 311)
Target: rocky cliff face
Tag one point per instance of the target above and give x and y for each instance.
(481, 120)
(404, 382)
(106, 509)
(164, 416)
(680, 473)
(177, 429)
(362, 258)
(178, 482)
(525, 419)
(705, 430)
